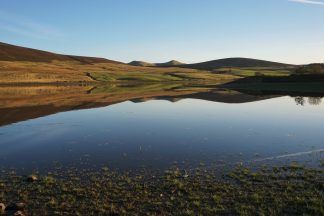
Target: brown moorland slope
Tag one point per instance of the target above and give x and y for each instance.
(10, 52)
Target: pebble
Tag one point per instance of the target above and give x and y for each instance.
(2, 208)
(19, 213)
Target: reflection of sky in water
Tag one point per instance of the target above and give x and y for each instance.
(156, 133)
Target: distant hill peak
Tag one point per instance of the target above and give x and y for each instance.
(147, 64)
(234, 62)
(174, 62)
(141, 64)
(169, 64)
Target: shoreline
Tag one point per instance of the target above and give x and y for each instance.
(292, 189)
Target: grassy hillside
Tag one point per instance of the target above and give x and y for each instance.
(24, 65)
(69, 71)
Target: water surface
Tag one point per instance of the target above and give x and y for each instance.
(213, 127)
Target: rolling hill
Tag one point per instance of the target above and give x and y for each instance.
(10, 52)
(233, 62)
(243, 67)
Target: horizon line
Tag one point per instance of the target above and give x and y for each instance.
(237, 57)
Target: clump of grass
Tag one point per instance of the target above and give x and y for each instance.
(290, 190)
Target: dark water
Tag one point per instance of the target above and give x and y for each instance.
(159, 132)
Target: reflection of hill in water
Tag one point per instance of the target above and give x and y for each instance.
(23, 103)
(221, 96)
(281, 93)
(216, 95)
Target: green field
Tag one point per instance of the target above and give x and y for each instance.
(253, 71)
(161, 77)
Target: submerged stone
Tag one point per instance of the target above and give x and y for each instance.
(32, 178)
(16, 206)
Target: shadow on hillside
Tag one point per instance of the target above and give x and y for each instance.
(294, 85)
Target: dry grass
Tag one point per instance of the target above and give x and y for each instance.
(72, 71)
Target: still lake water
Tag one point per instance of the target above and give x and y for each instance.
(158, 133)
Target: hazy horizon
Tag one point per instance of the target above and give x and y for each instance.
(190, 31)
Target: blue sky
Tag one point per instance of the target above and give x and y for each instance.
(289, 31)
